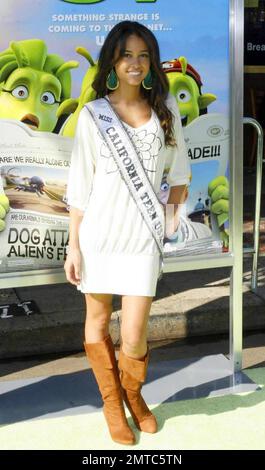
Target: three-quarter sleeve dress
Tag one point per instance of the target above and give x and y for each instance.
(118, 252)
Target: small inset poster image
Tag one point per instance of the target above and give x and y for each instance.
(36, 189)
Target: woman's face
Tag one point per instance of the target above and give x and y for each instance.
(134, 65)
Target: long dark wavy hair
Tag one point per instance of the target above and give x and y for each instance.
(116, 40)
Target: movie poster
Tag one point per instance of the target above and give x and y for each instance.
(48, 60)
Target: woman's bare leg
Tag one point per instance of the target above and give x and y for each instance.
(98, 314)
(135, 314)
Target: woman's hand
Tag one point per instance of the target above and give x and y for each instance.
(176, 199)
(72, 266)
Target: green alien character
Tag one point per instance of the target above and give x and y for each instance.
(185, 84)
(33, 83)
(218, 190)
(4, 208)
(74, 106)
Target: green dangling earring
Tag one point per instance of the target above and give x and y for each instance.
(112, 80)
(148, 81)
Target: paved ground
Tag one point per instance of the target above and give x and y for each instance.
(62, 363)
(52, 402)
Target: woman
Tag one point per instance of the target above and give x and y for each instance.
(111, 248)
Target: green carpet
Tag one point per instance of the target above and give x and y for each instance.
(228, 422)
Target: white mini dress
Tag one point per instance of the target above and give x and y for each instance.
(119, 254)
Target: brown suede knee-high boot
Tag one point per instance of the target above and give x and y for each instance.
(101, 356)
(132, 375)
